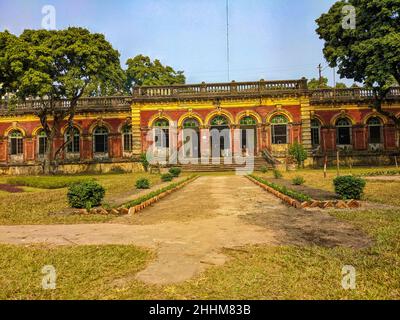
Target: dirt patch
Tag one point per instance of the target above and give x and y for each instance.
(190, 228)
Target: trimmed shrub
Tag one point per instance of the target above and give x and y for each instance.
(298, 181)
(175, 172)
(167, 177)
(264, 169)
(142, 183)
(277, 174)
(47, 182)
(349, 187)
(85, 195)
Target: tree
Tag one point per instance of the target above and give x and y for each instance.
(142, 71)
(340, 85)
(318, 84)
(369, 53)
(50, 66)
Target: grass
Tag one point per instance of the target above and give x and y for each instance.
(257, 272)
(84, 272)
(43, 206)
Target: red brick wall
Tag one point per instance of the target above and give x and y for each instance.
(86, 144)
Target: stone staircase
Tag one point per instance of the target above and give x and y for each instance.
(219, 165)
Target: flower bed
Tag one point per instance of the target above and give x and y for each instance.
(149, 199)
(299, 200)
(392, 172)
(10, 188)
(301, 197)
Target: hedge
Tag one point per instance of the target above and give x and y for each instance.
(153, 194)
(282, 189)
(48, 182)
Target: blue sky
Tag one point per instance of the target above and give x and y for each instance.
(269, 39)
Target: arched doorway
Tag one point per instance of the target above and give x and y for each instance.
(220, 137)
(161, 133)
(191, 138)
(248, 130)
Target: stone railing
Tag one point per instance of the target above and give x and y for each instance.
(219, 89)
(348, 95)
(94, 103)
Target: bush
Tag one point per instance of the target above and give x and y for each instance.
(85, 195)
(167, 177)
(277, 174)
(297, 151)
(349, 187)
(298, 181)
(175, 172)
(264, 169)
(143, 183)
(47, 182)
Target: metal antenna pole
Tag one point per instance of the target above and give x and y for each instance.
(227, 40)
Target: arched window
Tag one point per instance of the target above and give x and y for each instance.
(42, 143)
(191, 123)
(279, 126)
(16, 143)
(100, 137)
(161, 133)
(343, 128)
(315, 132)
(374, 130)
(248, 121)
(127, 138)
(219, 121)
(72, 138)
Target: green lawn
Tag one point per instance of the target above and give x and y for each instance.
(43, 206)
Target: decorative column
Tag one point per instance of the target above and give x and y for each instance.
(205, 143)
(306, 111)
(136, 132)
(235, 141)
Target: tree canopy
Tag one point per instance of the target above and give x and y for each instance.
(323, 84)
(49, 66)
(142, 71)
(367, 50)
(369, 53)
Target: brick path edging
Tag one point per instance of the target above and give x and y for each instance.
(330, 204)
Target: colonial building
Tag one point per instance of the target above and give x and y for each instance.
(112, 132)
